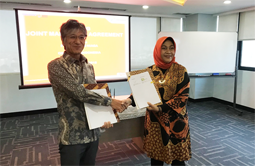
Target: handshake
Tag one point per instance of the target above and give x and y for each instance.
(120, 105)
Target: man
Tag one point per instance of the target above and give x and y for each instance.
(77, 144)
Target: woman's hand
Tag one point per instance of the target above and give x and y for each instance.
(107, 125)
(153, 107)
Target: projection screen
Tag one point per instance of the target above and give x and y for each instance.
(107, 46)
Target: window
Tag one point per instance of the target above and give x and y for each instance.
(246, 55)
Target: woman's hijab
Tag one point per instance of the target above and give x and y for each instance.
(157, 53)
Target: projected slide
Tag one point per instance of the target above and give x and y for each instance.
(107, 44)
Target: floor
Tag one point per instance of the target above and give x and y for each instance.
(218, 137)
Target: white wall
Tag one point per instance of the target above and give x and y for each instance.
(228, 23)
(224, 87)
(143, 39)
(190, 23)
(206, 22)
(14, 100)
(8, 42)
(142, 46)
(170, 24)
(247, 25)
(200, 22)
(200, 87)
(11, 98)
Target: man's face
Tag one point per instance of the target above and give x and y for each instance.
(74, 42)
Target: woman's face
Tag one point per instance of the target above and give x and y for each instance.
(167, 51)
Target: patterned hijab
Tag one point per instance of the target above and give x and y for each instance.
(157, 53)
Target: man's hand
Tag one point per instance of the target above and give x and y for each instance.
(107, 125)
(152, 107)
(117, 105)
(125, 103)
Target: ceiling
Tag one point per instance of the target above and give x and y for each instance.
(134, 7)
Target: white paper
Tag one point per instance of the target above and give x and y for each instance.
(97, 115)
(143, 90)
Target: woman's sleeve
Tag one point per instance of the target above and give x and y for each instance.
(180, 99)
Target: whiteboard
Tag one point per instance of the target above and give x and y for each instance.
(205, 52)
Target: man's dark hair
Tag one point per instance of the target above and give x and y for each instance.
(71, 25)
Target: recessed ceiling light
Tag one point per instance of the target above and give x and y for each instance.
(145, 7)
(67, 1)
(227, 2)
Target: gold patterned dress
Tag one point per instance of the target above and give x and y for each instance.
(167, 135)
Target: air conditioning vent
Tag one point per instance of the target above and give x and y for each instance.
(23, 3)
(98, 8)
(184, 14)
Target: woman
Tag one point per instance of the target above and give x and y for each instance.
(167, 136)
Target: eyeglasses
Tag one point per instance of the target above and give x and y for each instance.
(73, 37)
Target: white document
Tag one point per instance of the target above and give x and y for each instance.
(143, 90)
(97, 115)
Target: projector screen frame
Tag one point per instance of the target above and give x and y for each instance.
(43, 85)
